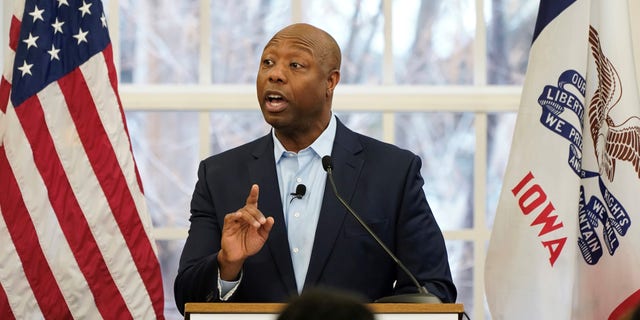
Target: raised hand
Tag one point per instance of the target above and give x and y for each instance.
(243, 234)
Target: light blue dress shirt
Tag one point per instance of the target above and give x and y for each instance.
(301, 215)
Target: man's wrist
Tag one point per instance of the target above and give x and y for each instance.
(229, 270)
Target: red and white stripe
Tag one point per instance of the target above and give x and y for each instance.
(76, 236)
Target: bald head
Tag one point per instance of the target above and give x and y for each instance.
(324, 47)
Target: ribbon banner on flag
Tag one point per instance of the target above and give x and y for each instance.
(75, 233)
(565, 242)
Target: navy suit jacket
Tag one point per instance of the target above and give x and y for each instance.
(381, 182)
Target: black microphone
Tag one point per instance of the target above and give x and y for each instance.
(301, 190)
(423, 295)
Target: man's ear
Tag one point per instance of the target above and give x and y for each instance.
(332, 81)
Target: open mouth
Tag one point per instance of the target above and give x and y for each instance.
(275, 102)
(275, 98)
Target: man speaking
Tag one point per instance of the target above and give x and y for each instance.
(265, 223)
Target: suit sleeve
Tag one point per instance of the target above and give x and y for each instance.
(420, 243)
(197, 279)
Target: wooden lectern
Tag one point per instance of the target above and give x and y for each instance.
(269, 311)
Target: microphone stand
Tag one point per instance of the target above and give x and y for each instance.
(423, 295)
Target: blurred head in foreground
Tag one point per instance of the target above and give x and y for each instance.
(322, 304)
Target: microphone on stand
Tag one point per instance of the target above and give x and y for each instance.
(423, 295)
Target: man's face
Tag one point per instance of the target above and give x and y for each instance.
(292, 85)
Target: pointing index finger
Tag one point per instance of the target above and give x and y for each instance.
(252, 198)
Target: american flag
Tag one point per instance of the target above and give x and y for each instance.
(75, 234)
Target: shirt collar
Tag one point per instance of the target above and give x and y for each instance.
(321, 146)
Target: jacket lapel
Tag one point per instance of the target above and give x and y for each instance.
(270, 204)
(347, 165)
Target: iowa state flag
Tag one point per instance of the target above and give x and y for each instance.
(566, 239)
(74, 231)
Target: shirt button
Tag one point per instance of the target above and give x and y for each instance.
(298, 179)
(297, 214)
(295, 250)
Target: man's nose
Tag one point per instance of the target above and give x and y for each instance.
(277, 74)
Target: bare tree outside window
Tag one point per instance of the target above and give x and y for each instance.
(499, 138)
(240, 29)
(357, 26)
(230, 129)
(509, 33)
(433, 41)
(159, 41)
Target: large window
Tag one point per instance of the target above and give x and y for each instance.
(439, 77)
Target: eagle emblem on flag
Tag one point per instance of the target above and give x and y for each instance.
(612, 141)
